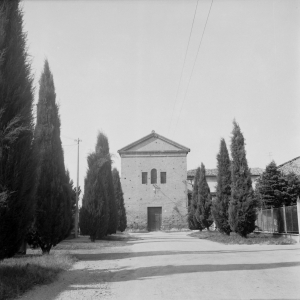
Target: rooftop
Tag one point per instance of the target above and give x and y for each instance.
(291, 166)
(214, 172)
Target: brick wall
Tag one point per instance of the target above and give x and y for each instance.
(172, 196)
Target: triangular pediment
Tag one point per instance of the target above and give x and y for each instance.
(154, 143)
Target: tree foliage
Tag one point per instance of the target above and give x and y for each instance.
(53, 217)
(193, 221)
(94, 214)
(223, 190)
(203, 211)
(17, 160)
(122, 219)
(273, 188)
(242, 206)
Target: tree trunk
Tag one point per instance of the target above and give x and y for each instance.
(46, 248)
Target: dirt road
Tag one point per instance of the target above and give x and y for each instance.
(176, 266)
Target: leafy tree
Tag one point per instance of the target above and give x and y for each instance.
(53, 216)
(292, 188)
(223, 190)
(270, 187)
(273, 188)
(242, 206)
(94, 214)
(193, 221)
(203, 211)
(122, 219)
(17, 160)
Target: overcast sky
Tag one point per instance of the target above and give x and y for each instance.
(117, 68)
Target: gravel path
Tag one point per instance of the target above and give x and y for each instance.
(176, 266)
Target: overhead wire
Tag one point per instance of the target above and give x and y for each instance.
(186, 51)
(194, 63)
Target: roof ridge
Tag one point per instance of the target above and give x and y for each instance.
(288, 162)
(155, 135)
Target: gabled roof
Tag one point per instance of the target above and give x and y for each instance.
(292, 165)
(153, 134)
(214, 172)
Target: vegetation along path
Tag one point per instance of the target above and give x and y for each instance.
(176, 266)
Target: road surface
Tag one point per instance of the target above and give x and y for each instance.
(176, 266)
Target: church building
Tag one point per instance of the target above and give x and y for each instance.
(154, 183)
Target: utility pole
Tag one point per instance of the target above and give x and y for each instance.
(76, 210)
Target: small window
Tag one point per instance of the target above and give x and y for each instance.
(163, 177)
(144, 177)
(153, 176)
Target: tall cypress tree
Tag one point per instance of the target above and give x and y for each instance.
(94, 214)
(122, 219)
(53, 214)
(17, 164)
(193, 218)
(203, 211)
(242, 206)
(107, 179)
(223, 190)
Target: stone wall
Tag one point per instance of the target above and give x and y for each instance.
(172, 196)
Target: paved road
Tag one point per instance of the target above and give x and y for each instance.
(176, 266)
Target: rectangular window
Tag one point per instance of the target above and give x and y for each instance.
(144, 177)
(163, 177)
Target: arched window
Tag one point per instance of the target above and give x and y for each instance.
(153, 176)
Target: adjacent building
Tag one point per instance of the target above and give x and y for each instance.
(153, 178)
(292, 165)
(211, 178)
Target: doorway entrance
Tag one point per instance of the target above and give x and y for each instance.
(154, 218)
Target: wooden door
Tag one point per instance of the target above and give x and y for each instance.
(154, 218)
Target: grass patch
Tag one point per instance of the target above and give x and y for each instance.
(21, 273)
(235, 239)
(84, 242)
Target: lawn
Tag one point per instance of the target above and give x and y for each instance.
(235, 239)
(21, 273)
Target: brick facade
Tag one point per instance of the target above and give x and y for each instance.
(155, 152)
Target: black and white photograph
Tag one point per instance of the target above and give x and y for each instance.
(149, 149)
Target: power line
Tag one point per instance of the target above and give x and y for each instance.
(186, 51)
(67, 137)
(194, 62)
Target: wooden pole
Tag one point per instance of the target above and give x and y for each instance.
(298, 215)
(77, 188)
(284, 219)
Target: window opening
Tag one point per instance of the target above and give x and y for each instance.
(153, 176)
(144, 177)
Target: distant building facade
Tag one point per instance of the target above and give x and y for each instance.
(153, 178)
(211, 178)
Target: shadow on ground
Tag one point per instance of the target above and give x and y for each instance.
(123, 255)
(85, 279)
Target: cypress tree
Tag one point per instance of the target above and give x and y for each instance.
(94, 214)
(107, 179)
(193, 218)
(242, 206)
(223, 190)
(17, 167)
(53, 214)
(122, 220)
(203, 211)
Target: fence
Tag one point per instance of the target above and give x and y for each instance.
(280, 220)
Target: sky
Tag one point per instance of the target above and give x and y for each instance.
(128, 67)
